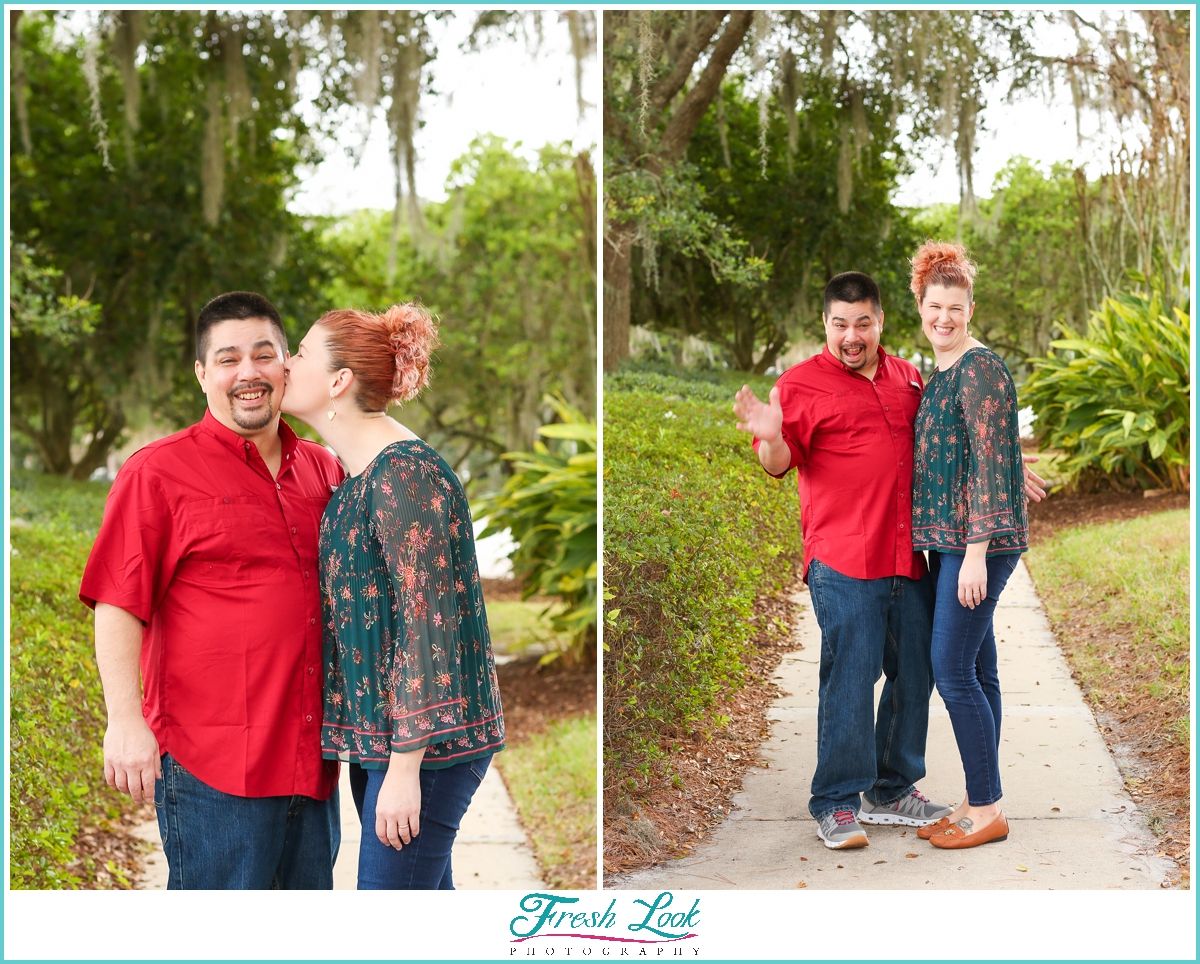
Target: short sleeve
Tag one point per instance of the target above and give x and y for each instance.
(988, 399)
(132, 560)
(414, 512)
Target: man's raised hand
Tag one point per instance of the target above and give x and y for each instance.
(762, 421)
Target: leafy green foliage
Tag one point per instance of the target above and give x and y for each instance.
(552, 779)
(787, 211)
(549, 506)
(694, 532)
(1116, 399)
(1025, 239)
(135, 235)
(507, 265)
(58, 717)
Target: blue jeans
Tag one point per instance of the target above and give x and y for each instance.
(870, 627)
(218, 841)
(423, 864)
(964, 667)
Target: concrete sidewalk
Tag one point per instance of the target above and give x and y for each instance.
(490, 852)
(1073, 826)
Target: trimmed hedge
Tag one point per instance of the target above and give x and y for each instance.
(694, 532)
(58, 718)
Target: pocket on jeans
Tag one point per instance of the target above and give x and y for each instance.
(479, 768)
(160, 787)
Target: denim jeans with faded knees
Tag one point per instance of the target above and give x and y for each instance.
(423, 864)
(870, 627)
(964, 668)
(218, 841)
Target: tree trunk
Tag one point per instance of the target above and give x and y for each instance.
(686, 119)
(618, 275)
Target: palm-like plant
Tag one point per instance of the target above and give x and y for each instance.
(549, 506)
(1116, 399)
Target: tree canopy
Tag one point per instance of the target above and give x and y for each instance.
(154, 155)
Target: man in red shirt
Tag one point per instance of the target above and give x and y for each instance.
(844, 420)
(204, 572)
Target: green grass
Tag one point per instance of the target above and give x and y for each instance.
(552, 779)
(516, 625)
(1131, 575)
(58, 718)
(694, 532)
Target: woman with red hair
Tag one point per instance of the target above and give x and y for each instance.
(970, 512)
(411, 701)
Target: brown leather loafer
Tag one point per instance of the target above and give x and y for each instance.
(930, 829)
(954, 838)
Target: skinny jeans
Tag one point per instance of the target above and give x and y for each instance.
(965, 669)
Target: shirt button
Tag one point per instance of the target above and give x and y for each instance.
(294, 528)
(308, 719)
(310, 671)
(305, 573)
(278, 486)
(893, 435)
(311, 622)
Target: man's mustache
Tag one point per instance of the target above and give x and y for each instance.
(251, 387)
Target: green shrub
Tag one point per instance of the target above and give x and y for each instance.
(702, 384)
(58, 718)
(694, 531)
(1116, 399)
(549, 506)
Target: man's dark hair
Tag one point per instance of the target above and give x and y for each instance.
(235, 306)
(852, 286)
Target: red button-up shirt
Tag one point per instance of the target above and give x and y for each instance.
(219, 561)
(851, 439)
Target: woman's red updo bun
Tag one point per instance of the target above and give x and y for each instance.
(941, 263)
(388, 353)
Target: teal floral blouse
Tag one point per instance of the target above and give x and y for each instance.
(968, 477)
(407, 654)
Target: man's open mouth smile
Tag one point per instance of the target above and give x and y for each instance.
(250, 395)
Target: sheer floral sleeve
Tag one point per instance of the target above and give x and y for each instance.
(968, 477)
(438, 676)
(988, 400)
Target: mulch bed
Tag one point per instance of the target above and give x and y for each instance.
(675, 815)
(1157, 770)
(1063, 510)
(114, 852)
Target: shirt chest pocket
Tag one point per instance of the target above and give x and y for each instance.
(229, 531)
(847, 416)
(906, 400)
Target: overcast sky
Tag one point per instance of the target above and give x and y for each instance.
(504, 90)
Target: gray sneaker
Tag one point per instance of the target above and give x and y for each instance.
(913, 810)
(840, 830)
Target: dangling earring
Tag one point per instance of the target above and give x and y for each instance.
(331, 411)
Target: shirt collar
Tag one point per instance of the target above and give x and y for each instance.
(238, 444)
